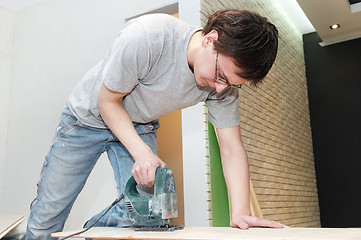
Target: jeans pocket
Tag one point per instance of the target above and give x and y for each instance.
(67, 123)
(147, 128)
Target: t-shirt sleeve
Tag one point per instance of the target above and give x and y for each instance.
(128, 60)
(223, 109)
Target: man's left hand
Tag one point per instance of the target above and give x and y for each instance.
(245, 222)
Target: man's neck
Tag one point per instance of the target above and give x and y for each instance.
(195, 44)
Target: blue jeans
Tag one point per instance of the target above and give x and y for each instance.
(72, 156)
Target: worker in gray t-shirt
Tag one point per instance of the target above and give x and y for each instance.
(156, 65)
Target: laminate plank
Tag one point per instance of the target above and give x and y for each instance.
(213, 233)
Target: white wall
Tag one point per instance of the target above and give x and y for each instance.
(55, 43)
(193, 138)
(6, 33)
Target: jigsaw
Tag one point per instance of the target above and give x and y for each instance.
(153, 212)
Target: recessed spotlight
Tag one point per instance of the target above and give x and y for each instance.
(335, 26)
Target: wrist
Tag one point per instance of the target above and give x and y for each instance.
(241, 210)
(241, 213)
(140, 151)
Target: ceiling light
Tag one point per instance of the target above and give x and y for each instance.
(335, 26)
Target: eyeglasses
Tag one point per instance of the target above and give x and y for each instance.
(223, 81)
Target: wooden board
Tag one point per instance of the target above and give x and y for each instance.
(209, 233)
(9, 222)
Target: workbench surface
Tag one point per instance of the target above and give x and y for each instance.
(211, 233)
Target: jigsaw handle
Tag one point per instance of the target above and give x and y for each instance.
(163, 183)
(131, 187)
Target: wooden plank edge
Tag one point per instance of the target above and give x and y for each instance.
(11, 227)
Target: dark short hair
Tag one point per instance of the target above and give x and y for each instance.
(250, 39)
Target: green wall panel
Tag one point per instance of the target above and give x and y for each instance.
(219, 194)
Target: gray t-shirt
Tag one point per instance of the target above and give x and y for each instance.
(149, 60)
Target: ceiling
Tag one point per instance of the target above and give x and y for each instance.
(306, 15)
(324, 13)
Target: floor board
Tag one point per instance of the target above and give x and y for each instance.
(205, 233)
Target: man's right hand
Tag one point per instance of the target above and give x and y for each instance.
(144, 169)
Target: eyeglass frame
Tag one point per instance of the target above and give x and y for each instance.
(223, 80)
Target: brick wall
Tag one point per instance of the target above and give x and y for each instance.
(275, 125)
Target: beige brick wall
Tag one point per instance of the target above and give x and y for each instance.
(276, 126)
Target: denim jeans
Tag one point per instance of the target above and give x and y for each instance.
(72, 156)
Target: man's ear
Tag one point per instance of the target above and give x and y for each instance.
(210, 38)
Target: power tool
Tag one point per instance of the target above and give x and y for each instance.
(153, 212)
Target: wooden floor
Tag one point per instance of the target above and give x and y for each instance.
(205, 233)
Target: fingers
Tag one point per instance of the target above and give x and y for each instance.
(240, 224)
(162, 164)
(135, 175)
(259, 222)
(246, 222)
(144, 172)
(150, 177)
(143, 175)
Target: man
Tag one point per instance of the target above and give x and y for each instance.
(157, 64)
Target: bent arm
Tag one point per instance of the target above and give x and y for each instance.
(115, 116)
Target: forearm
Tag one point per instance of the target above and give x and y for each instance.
(236, 172)
(235, 169)
(117, 119)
